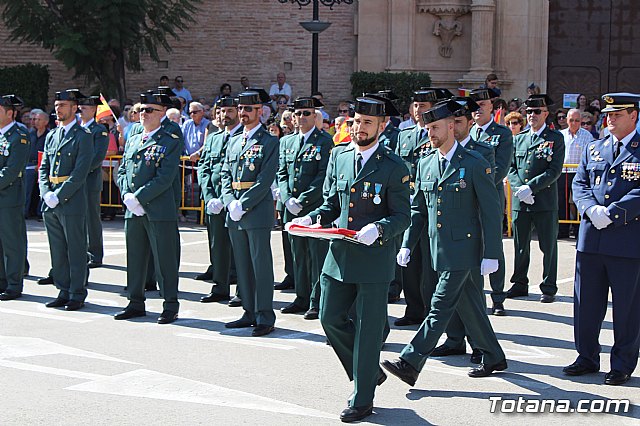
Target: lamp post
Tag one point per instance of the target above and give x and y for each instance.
(315, 27)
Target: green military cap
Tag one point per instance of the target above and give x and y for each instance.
(537, 101)
(69, 95)
(485, 94)
(227, 101)
(164, 90)
(441, 94)
(620, 101)
(252, 97)
(90, 101)
(442, 109)
(156, 99)
(263, 96)
(467, 105)
(370, 106)
(307, 102)
(390, 108)
(11, 101)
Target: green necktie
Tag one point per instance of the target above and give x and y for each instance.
(443, 165)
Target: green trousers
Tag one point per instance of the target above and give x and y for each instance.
(308, 258)
(94, 227)
(252, 252)
(144, 239)
(496, 280)
(13, 246)
(419, 280)
(546, 224)
(357, 342)
(455, 292)
(68, 246)
(456, 330)
(219, 252)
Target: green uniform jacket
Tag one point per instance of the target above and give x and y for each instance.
(100, 137)
(411, 148)
(389, 137)
(383, 174)
(302, 170)
(14, 153)
(501, 139)
(148, 170)
(69, 156)
(537, 162)
(210, 164)
(463, 211)
(261, 150)
(483, 149)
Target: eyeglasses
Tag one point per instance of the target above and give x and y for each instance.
(135, 112)
(282, 102)
(513, 123)
(305, 113)
(194, 112)
(343, 110)
(247, 108)
(536, 111)
(149, 110)
(562, 117)
(586, 123)
(180, 81)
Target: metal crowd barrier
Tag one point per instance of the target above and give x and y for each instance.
(189, 189)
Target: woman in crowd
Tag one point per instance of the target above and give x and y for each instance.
(515, 122)
(225, 90)
(286, 122)
(582, 102)
(514, 104)
(560, 121)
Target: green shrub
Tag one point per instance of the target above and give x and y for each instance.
(29, 81)
(403, 84)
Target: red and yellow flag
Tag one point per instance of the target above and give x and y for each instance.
(342, 135)
(104, 110)
(464, 92)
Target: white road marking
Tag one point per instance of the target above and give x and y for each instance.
(247, 341)
(155, 385)
(203, 265)
(566, 280)
(50, 370)
(531, 352)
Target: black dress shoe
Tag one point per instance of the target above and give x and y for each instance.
(476, 357)
(547, 298)
(615, 378)
(578, 369)
(10, 295)
(73, 305)
(214, 297)
(262, 330)
(150, 286)
(45, 281)
(292, 308)
(312, 314)
(241, 323)
(392, 298)
(498, 309)
(204, 276)
(402, 370)
(167, 317)
(94, 264)
(286, 284)
(405, 321)
(235, 302)
(128, 314)
(485, 370)
(353, 414)
(444, 350)
(516, 291)
(56, 303)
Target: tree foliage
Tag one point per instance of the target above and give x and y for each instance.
(403, 84)
(29, 81)
(98, 39)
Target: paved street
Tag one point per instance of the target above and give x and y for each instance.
(83, 367)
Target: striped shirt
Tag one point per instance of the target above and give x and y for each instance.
(573, 146)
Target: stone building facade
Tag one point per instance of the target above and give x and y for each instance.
(457, 41)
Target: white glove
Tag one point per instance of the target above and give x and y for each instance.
(138, 210)
(235, 210)
(214, 206)
(403, 257)
(368, 234)
(599, 216)
(302, 221)
(51, 199)
(529, 200)
(293, 205)
(488, 266)
(411, 197)
(523, 192)
(275, 193)
(130, 201)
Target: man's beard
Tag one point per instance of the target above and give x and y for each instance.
(367, 141)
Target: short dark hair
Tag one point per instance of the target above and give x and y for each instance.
(178, 77)
(164, 77)
(491, 76)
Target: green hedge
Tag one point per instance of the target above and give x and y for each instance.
(403, 84)
(28, 81)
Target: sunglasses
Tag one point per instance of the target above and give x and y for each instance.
(149, 110)
(135, 112)
(305, 113)
(179, 81)
(343, 110)
(536, 111)
(586, 123)
(513, 123)
(562, 117)
(194, 112)
(247, 108)
(282, 102)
